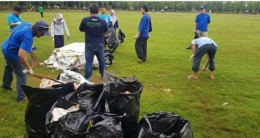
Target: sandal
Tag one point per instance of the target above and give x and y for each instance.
(192, 77)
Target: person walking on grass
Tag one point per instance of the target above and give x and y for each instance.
(41, 10)
(95, 28)
(200, 47)
(14, 18)
(143, 35)
(201, 23)
(57, 33)
(14, 49)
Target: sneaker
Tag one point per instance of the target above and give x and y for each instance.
(7, 88)
(23, 100)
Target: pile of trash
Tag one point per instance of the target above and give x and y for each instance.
(103, 110)
(73, 55)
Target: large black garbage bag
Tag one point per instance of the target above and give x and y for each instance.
(40, 102)
(121, 96)
(121, 36)
(108, 128)
(108, 57)
(112, 40)
(163, 125)
(78, 107)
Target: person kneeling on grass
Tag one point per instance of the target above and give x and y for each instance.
(14, 49)
(200, 47)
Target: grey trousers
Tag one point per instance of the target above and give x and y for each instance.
(202, 34)
(209, 49)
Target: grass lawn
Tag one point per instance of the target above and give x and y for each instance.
(237, 76)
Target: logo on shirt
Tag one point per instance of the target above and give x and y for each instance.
(94, 19)
(93, 24)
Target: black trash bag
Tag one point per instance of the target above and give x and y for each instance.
(108, 57)
(121, 36)
(121, 96)
(74, 123)
(111, 39)
(40, 102)
(108, 128)
(163, 125)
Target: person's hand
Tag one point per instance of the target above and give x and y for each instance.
(195, 31)
(191, 57)
(18, 23)
(30, 72)
(136, 36)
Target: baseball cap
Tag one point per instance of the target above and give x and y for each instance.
(44, 27)
(18, 8)
(202, 7)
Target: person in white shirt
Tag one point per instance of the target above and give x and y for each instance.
(57, 33)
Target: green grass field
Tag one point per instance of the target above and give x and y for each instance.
(237, 76)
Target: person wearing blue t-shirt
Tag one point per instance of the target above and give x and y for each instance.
(14, 18)
(94, 28)
(200, 47)
(201, 23)
(143, 34)
(14, 49)
(103, 15)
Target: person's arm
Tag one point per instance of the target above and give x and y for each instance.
(105, 28)
(193, 47)
(66, 28)
(208, 19)
(52, 28)
(116, 24)
(35, 62)
(12, 23)
(195, 25)
(23, 58)
(142, 26)
(82, 26)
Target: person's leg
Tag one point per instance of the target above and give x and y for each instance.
(138, 48)
(200, 52)
(61, 40)
(21, 77)
(144, 47)
(99, 52)
(212, 51)
(56, 41)
(199, 33)
(204, 34)
(89, 55)
(7, 77)
(41, 14)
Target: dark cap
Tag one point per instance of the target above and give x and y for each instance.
(18, 8)
(44, 27)
(145, 8)
(202, 7)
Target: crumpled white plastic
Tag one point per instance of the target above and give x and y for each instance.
(72, 55)
(70, 76)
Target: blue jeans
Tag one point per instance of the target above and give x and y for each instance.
(92, 49)
(17, 67)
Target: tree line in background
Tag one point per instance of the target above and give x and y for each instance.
(252, 7)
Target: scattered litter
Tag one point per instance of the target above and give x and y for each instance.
(226, 103)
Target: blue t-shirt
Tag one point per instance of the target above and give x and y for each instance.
(105, 17)
(144, 25)
(202, 21)
(199, 42)
(21, 37)
(12, 18)
(94, 28)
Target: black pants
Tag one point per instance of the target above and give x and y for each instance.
(58, 41)
(141, 48)
(200, 52)
(41, 14)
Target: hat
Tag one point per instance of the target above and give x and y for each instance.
(44, 27)
(18, 8)
(202, 7)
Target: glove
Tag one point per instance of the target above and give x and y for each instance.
(136, 36)
(30, 72)
(18, 23)
(191, 57)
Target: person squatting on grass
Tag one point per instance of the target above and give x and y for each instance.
(14, 18)
(201, 23)
(143, 34)
(14, 49)
(57, 33)
(94, 28)
(200, 47)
